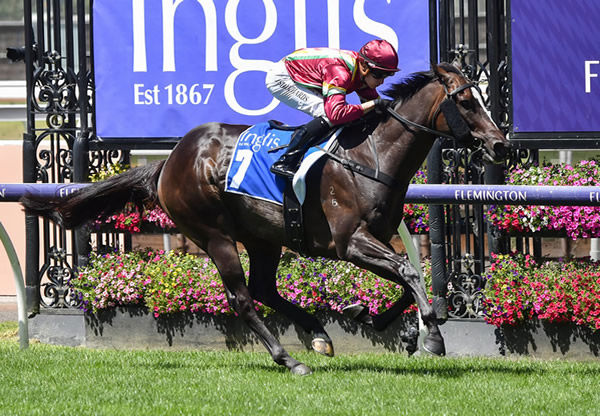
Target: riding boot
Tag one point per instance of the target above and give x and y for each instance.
(303, 138)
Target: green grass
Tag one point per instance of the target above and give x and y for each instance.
(9, 330)
(12, 130)
(61, 380)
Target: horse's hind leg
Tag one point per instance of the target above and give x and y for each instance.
(262, 284)
(225, 256)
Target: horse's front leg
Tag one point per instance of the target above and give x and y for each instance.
(366, 251)
(383, 319)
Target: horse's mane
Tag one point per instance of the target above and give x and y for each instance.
(412, 84)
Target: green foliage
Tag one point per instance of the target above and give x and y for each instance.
(108, 171)
(11, 10)
(80, 381)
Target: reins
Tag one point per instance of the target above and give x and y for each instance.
(351, 165)
(406, 122)
(439, 110)
(449, 110)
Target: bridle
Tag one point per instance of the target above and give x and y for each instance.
(458, 126)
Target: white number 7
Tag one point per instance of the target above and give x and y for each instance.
(244, 156)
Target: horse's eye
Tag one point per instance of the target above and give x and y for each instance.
(466, 104)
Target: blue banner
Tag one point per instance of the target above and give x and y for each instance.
(555, 65)
(164, 67)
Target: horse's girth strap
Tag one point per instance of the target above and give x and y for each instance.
(371, 173)
(293, 221)
(363, 170)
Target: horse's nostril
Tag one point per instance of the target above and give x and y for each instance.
(500, 150)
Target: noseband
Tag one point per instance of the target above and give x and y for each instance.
(457, 124)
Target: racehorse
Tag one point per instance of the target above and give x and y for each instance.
(347, 215)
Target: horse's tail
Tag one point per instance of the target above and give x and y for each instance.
(137, 185)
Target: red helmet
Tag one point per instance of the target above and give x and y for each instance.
(380, 54)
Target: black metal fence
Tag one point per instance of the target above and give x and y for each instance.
(60, 146)
(473, 34)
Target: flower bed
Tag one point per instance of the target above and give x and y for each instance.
(134, 221)
(519, 290)
(576, 222)
(172, 282)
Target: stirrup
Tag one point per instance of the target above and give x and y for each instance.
(282, 169)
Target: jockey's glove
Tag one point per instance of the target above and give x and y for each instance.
(382, 104)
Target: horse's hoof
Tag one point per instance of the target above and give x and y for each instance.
(322, 347)
(359, 313)
(434, 345)
(410, 339)
(301, 370)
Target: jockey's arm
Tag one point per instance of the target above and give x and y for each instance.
(338, 111)
(368, 106)
(367, 99)
(336, 84)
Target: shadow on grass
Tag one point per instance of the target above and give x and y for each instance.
(442, 370)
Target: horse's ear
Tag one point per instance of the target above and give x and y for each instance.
(456, 64)
(442, 74)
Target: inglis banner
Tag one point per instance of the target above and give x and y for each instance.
(164, 67)
(555, 65)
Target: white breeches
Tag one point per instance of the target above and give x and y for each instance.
(283, 87)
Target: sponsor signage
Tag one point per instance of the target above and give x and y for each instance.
(164, 67)
(555, 67)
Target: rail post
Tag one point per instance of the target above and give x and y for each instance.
(20, 286)
(32, 227)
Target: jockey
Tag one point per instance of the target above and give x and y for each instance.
(316, 81)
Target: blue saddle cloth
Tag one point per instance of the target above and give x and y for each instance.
(249, 173)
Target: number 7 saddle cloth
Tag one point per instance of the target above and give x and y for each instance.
(249, 173)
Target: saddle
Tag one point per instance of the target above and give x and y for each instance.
(292, 207)
(257, 149)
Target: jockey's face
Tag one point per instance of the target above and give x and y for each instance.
(372, 81)
(372, 78)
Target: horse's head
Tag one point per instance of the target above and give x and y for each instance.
(461, 111)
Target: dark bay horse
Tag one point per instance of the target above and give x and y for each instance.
(347, 215)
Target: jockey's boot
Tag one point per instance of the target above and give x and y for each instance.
(303, 138)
